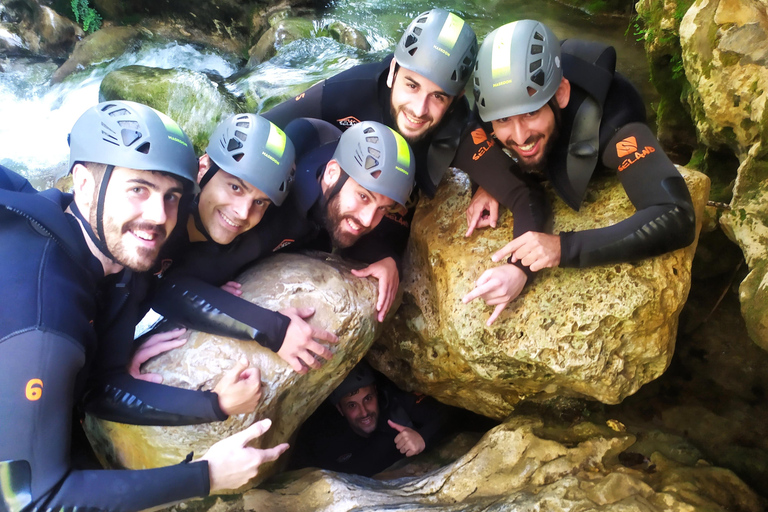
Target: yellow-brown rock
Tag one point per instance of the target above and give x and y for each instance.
(344, 304)
(725, 51)
(522, 465)
(597, 333)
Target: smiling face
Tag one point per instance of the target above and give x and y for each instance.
(531, 136)
(417, 104)
(229, 206)
(140, 210)
(361, 410)
(354, 211)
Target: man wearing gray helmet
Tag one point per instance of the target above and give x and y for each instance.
(248, 165)
(419, 91)
(343, 187)
(565, 114)
(70, 262)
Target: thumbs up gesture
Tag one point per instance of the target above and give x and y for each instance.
(408, 441)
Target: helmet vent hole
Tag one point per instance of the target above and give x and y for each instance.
(482, 102)
(534, 66)
(130, 125)
(144, 148)
(531, 91)
(234, 144)
(410, 40)
(118, 112)
(241, 135)
(412, 51)
(368, 130)
(282, 187)
(238, 157)
(375, 152)
(477, 81)
(423, 19)
(372, 139)
(129, 136)
(467, 61)
(376, 174)
(243, 124)
(536, 49)
(370, 162)
(453, 76)
(538, 78)
(538, 36)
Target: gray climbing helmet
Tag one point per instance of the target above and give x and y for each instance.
(378, 158)
(255, 150)
(441, 47)
(359, 377)
(518, 70)
(135, 136)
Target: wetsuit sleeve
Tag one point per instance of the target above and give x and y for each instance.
(10, 180)
(204, 307)
(113, 394)
(487, 165)
(307, 104)
(430, 418)
(665, 219)
(39, 370)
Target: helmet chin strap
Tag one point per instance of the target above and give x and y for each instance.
(213, 169)
(99, 241)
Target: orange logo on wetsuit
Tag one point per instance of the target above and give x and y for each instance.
(34, 390)
(348, 121)
(479, 137)
(628, 147)
(300, 96)
(285, 243)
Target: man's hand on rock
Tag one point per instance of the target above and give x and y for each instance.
(498, 286)
(483, 211)
(299, 346)
(389, 279)
(408, 441)
(155, 345)
(232, 287)
(239, 389)
(232, 463)
(533, 249)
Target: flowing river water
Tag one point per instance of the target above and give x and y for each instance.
(37, 115)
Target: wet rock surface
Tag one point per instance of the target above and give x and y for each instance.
(344, 305)
(194, 100)
(525, 464)
(724, 51)
(598, 333)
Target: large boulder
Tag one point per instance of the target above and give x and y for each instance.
(344, 304)
(597, 333)
(28, 28)
(281, 33)
(524, 465)
(192, 99)
(725, 52)
(103, 45)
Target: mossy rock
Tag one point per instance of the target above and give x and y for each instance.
(345, 34)
(280, 34)
(192, 99)
(102, 46)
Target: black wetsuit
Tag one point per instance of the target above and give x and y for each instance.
(59, 302)
(665, 218)
(361, 94)
(189, 293)
(327, 441)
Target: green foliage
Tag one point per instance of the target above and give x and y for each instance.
(86, 15)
